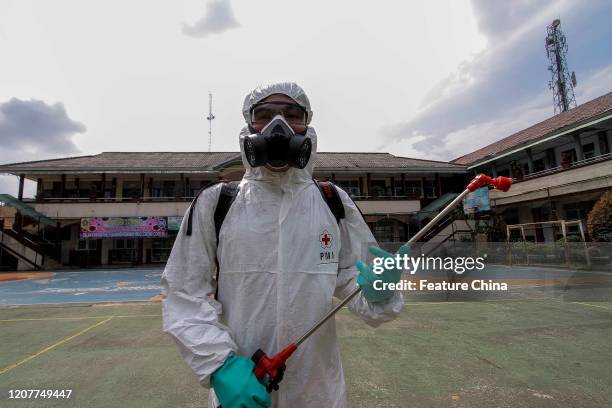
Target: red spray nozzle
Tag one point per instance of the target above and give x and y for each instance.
(265, 365)
(499, 183)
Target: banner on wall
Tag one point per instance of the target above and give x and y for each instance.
(477, 201)
(174, 223)
(124, 227)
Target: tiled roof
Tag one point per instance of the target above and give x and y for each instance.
(557, 123)
(117, 161)
(331, 160)
(168, 161)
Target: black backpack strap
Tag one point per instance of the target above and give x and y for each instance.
(192, 207)
(229, 191)
(331, 198)
(228, 194)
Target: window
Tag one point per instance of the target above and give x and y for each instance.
(350, 186)
(589, 150)
(165, 188)
(383, 231)
(379, 188)
(431, 190)
(505, 172)
(525, 168)
(568, 157)
(168, 188)
(196, 186)
(413, 188)
(131, 189)
(87, 244)
(538, 165)
(123, 244)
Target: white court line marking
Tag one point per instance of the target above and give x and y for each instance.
(73, 318)
(588, 304)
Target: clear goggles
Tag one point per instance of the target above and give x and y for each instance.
(262, 113)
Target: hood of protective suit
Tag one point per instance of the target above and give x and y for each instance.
(292, 175)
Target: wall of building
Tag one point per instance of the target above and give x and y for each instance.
(564, 143)
(581, 179)
(111, 209)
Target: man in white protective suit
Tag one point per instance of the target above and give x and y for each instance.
(282, 256)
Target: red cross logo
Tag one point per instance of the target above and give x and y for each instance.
(325, 239)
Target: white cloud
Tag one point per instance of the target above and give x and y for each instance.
(502, 90)
(594, 85)
(219, 18)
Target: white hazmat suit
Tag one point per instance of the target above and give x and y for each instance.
(282, 258)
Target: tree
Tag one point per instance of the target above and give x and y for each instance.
(599, 220)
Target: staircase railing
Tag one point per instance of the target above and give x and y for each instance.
(5, 247)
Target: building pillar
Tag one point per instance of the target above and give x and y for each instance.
(368, 184)
(18, 221)
(63, 187)
(361, 190)
(77, 185)
(578, 145)
(180, 192)
(39, 189)
(392, 186)
(142, 186)
(150, 187)
(186, 187)
(529, 160)
(604, 147)
(139, 250)
(21, 183)
(118, 188)
(423, 193)
(493, 170)
(439, 185)
(103, 185)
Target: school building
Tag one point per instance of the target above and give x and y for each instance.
(124, 208)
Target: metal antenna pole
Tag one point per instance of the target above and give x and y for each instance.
(210, 118)
(562, 82)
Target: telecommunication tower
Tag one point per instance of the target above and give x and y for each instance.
(562, 83)
(210, 118)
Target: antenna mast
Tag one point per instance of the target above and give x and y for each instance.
(562, 83)
(210, 118)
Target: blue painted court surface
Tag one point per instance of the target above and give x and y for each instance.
(89, 286)
(141, 284)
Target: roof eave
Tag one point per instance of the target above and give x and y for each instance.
(555, 134)
(458, 169)
(18, 171)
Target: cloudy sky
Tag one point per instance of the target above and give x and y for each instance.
(421, 79)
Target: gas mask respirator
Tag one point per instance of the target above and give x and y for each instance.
(277, 145)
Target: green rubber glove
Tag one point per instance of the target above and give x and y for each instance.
(367, 276)
(236, 385)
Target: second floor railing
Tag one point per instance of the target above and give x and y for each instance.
(564, 167)
(85, 200)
